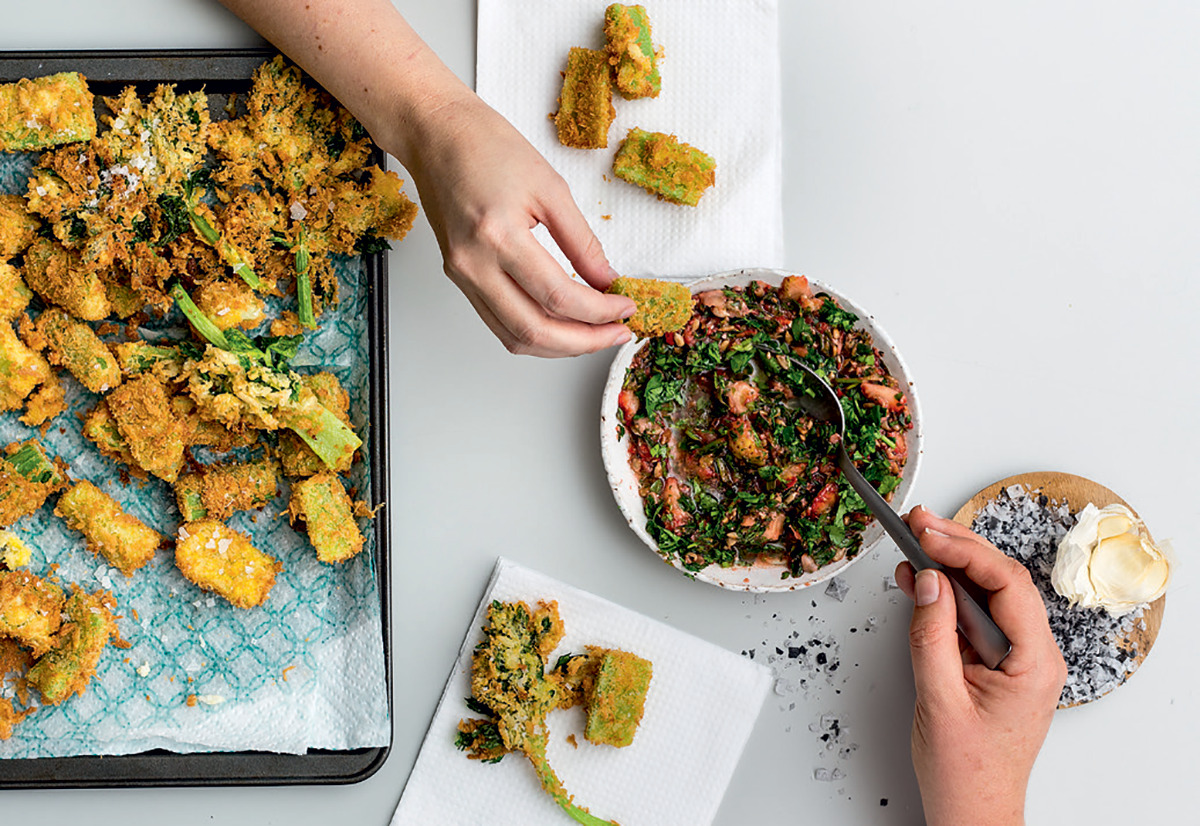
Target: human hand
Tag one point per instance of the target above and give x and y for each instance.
(484, 188)
(976, 732)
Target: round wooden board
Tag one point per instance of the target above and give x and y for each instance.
(1077, 492)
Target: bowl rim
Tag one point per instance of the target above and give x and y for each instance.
(757, 577)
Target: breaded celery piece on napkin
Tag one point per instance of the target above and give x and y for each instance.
(68, 667)
(631, 52)
(119, 537)
(322, 504)
(664, 165)
(585, 109)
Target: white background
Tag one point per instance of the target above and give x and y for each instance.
(1014, 192)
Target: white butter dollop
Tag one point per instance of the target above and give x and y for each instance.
(1109, 561)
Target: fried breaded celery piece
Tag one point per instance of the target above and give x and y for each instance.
(47, 402)
(68, 667)
(218, 558)
(36, 113)
(296, 457)
(125, 300)
(30, 610)
(664, 165)
(21, 369)
(293, 134)
(322, 504)
(616, 697)
(119, 537)
(14, 295)
(301, 145)
(230, 304)
(662, 306)
(156, 440)
(631, 52)
(138, 357)
(18, 227)
(27, 477)
(100, 428)
(242, 385)
(75, 346)
(585, 110)
(347, 216)
(508, 678)
(59, 276)
(218, 491)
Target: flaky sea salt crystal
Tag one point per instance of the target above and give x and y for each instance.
(837, 589)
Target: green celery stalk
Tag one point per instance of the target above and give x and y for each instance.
(229, 253)
(304, 295)
(203, 324)
(334, 442)
(32, 463)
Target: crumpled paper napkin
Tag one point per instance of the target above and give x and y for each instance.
(720, 93)
(700, 709)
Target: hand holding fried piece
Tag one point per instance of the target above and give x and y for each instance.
(662, 306)
(665, 166)
(68, 667)
(120, 538)
(220, 559)
(30, 610)
(322, 504)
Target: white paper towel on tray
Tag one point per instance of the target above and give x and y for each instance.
(700, 709)
(720, 93)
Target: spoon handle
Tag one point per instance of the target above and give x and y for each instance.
(974, 620)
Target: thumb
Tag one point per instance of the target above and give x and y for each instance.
(933, 640)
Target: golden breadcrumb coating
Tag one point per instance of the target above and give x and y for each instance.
(662, 306)
(220, 559)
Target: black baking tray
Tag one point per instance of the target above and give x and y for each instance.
(222, 71)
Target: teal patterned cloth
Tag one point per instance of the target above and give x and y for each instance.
(305, 670)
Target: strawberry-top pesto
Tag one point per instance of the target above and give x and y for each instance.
(730, 470)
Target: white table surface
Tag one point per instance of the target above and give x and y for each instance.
(1014, 191)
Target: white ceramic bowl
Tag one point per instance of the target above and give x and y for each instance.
(614, 448)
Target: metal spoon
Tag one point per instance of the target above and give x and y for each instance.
(974, 620)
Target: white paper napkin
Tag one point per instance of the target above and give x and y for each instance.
(720, 93)
(700, 709)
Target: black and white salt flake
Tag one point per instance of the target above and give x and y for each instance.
(1094, 644)
(837, 589)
